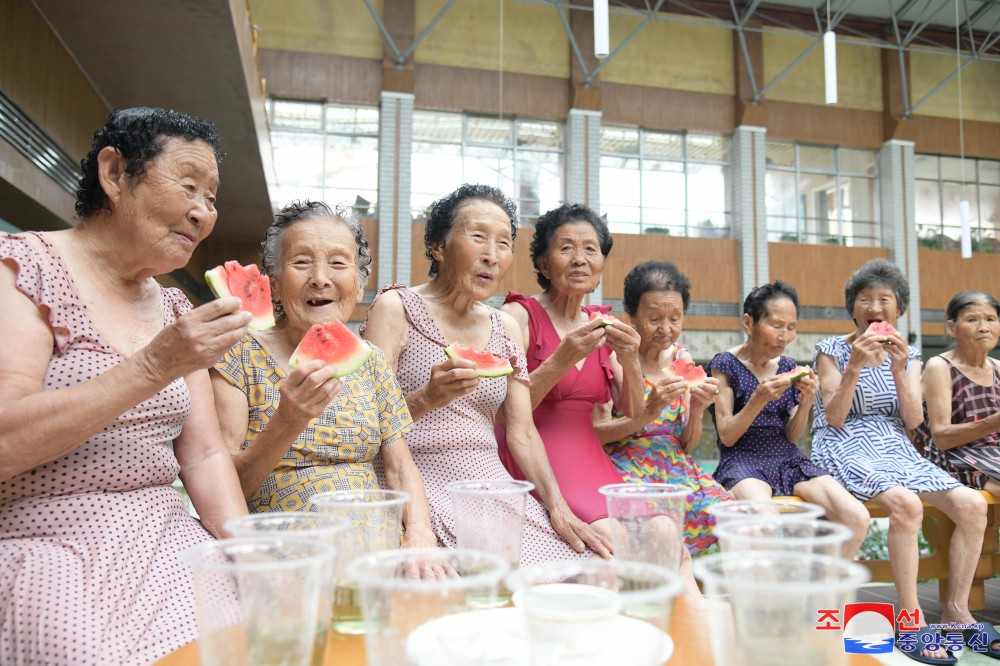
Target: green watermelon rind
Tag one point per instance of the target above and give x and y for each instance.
(803, 370)
(502, 369)
(220, 287)
(343, 367)
(605, 322)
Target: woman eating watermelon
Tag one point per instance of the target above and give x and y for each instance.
(763, 409)
(102, 369)
(469, 239)
(573, 354)
(306, 406)
(869, 391)
(654, 445)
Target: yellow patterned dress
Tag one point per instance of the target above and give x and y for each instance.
(338, 449)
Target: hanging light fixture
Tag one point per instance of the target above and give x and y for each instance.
(602, 38)
(963, 205)
(830, 60)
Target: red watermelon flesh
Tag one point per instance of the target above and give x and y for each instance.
(604, 319)
(883, 329)
(487, 365)
(685, 369)
(334, 344)
(798, 372)
(246, 283)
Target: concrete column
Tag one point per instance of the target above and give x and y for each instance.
(392, 257)
(899, 226)
(749, 212)
(583, 166)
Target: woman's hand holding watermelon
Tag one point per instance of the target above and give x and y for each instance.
(664, 392)
(808, 387)
(579, 342)
(196, 340)
(623, 340)
(771, 389)
(450, 380)
(704, 394)
(899, 352)
(306, 392)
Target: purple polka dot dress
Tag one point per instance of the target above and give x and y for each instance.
(89, 572)
(763, 452)
(457, 442)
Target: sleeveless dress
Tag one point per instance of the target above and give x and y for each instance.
(337, 449)
(871, 452)
(655, 454)
(975, 463)
(564, 418)
(456, 442)
(89, 572)
(763, 452)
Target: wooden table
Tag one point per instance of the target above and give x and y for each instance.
(689, 628)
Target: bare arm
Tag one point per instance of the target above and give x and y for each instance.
(911, 409)
(629, 385)
(206, 468)
(798, 420)
(699, 400)
(451, 379)
(936, 383)
(732, 427)
(38, 426)
(401, 473)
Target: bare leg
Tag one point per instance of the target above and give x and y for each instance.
(967, 509)
(751, 489)
(993, 487)
(906, 514)
(841, 506)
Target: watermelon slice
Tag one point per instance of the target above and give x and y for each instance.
(334, 344)
(249, 285)
(487, 365)
(604, 320)
(798, 372)
(685, 369)
(883, 329)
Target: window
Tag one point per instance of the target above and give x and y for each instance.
(664, 182)
(818, 194)
(326, 152)
(941, 183)
(523, 158)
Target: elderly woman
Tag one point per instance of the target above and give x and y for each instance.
(761, 413)
(470, 241)
(103, 369)
(573, 359)
(961, 428)
(655, 445)
(869, 391)
(294, 433)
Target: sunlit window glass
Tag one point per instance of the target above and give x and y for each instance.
(942, 183)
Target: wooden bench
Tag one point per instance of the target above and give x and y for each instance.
(938, 530)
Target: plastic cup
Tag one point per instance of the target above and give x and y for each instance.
(647, 521)
(489, 516)
(256, 600)
(402, 590)
(764, 606)
(302, 525)
(576, 610)
(376, 524)
(723, 512)
(818, 537)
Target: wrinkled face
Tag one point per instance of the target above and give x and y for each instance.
(574, 262)
(478, 249)
(659, 318)
(977, 327)
(318, 280)
(171, 208)
(776, 328)
(877, 303)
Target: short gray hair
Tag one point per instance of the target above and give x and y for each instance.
(298, 211)
(874, 273)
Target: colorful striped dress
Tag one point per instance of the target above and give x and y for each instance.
(655, 454)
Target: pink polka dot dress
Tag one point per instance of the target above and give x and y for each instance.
(89, 572)
(456, 442)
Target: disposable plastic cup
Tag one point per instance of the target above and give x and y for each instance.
(647, 521)
(489, 516)
(818, 537)
(405, 589)
(576, 610)
(723, 512)
(303, 525)
(763, 606)
(376, 524)
(257, 600)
